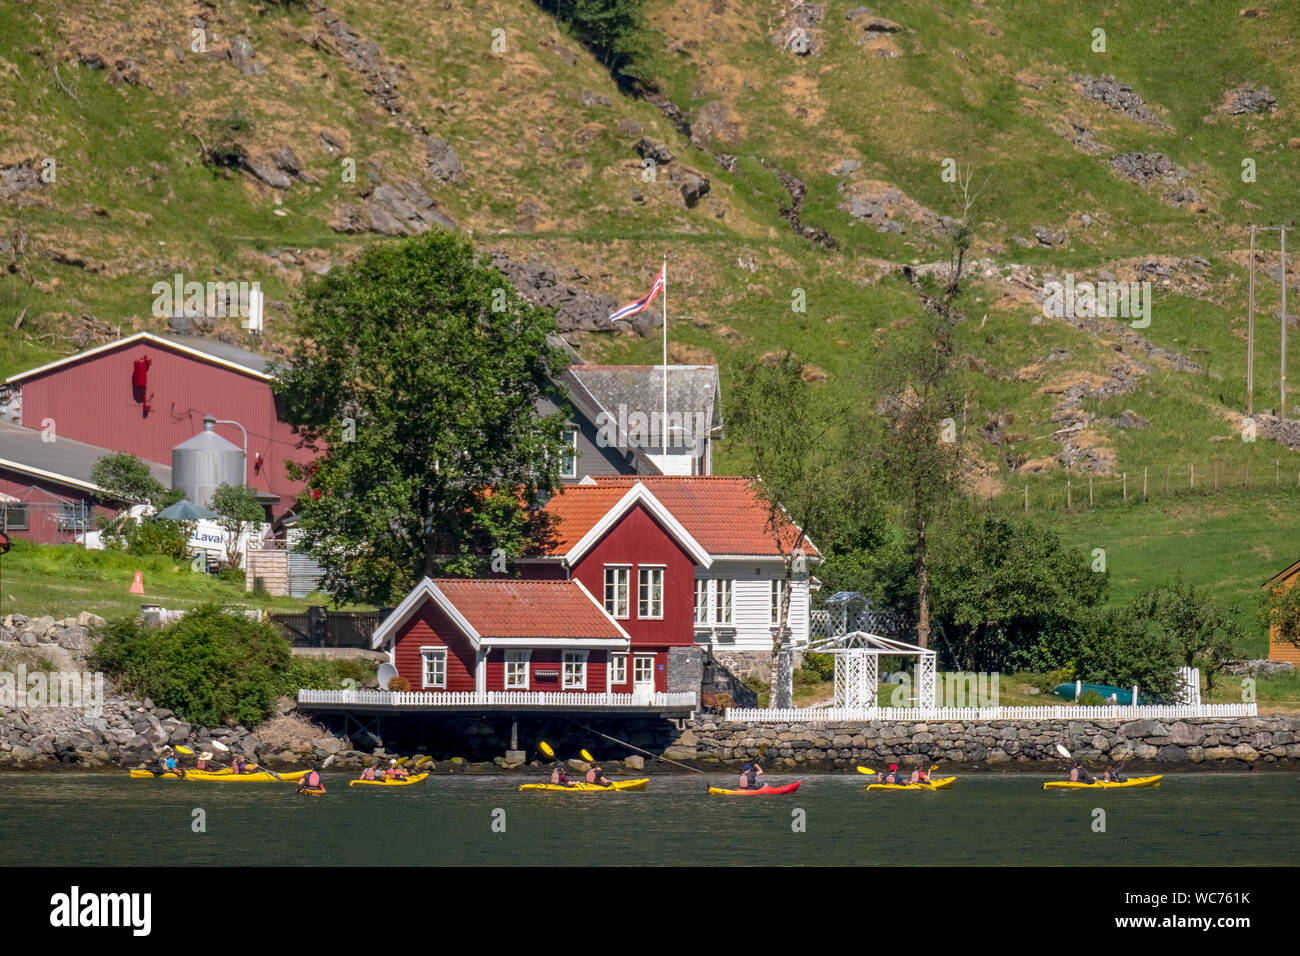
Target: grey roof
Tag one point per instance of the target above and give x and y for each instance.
(220, 350)
(24, 450)
(692, 389)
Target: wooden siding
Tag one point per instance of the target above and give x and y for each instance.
(44, 495)
(430, 627)
(1278, 649)
(592, 459)
(638, 540)
(550, 659)
(93, 401)
(751, 601)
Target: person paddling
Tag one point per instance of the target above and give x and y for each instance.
(1113, 774)
(919, 775)
(596, 776)
(239, 765)
(1081, 775)
(892, 777)
(749, 777)
(312, 781)
(369, 772)
(559, 778)
(395, 772)
(205, 762)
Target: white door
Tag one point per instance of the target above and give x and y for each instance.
(643, 676)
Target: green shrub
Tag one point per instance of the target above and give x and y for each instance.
(234, 575)
(210, 667)
(1091, 698)
(822, 665)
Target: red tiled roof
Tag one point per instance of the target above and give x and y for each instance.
(725, 515)
(498, 608)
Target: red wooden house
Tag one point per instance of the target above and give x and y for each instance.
(483, 635)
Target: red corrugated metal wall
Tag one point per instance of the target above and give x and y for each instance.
(42, 522)
(94, 401)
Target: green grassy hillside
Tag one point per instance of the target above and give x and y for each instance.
(139, 121)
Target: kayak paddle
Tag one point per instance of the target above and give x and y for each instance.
(1062, 751)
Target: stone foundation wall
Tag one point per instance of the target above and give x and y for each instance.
(1237, 743)
(747, 664)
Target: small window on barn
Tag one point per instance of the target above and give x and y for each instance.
(13, 517)
(517, 670)
(435, 666)
(617, 586)
(575, 670)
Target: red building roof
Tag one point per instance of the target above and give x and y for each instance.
(726, 515)
(510, 612)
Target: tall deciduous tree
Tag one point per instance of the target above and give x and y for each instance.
(1204, 634)
(798, 445)
(416, 379)
(127, 478)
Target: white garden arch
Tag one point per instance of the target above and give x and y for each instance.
(857, 667)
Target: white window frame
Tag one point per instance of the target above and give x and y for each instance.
(569, 461)
(617, 669)
(637, 660)
(573, 657)
(517, 657)
(652, 570)
(702, 601)
(625, 572)
(774, 600)
(427, 656)
(724, 587)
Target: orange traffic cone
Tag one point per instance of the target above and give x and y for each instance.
(137, 586)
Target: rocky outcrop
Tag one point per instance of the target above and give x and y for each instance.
(1117, 96)
(576, 309)
(401, 208)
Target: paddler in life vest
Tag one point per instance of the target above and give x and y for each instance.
(749, 777)
(1079, 775)
(559, 778)
(369, 772)
(204, 762)
(239, 764)
(919, 775)
(596, 776)
(312, 781)
(169, 763)
(893, 776)
(394, 772)
(1113, 774)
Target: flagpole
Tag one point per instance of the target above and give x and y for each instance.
(663, 422)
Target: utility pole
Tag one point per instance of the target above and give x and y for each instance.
(1250, 322)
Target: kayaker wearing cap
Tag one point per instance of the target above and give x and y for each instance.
(749, 777)
(595, 775)
(892, 777)
(312, 781)
(395, 772)
(204, 762)
(369, 772)
(559, 778)
(1080, 775)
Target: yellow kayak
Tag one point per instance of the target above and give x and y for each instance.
(257, 776)
(1099, 785)
(408, 782)
(589, 787)
(939, 784)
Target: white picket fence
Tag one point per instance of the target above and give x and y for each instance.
(823, 715)
(421, 700)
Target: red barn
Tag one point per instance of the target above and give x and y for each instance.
(147, 393)
(478, 636)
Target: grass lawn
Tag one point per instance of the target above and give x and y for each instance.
(64, 580)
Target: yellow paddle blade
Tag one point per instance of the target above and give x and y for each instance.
(401, 760)
(866, 770)
(422, 761)
(545, 748)
(586, 755)
(184, 750)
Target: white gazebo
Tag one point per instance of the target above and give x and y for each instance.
(857, 667)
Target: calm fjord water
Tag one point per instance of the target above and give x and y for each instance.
(1192, 819)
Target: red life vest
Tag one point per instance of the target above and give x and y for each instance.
(313, 780)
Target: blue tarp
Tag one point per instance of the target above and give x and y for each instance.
(1122, 695)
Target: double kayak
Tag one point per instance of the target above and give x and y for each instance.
(588, 787)
(408, 782)
(763, 791)
(1100, 785)
(939, 784)
(257, 776)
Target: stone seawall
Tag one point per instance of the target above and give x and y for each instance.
(1247, 742)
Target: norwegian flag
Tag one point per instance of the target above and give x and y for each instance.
(645, 300)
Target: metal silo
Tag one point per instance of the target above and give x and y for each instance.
(204, 462)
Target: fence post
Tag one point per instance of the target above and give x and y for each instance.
(1277, 473)
(1026, 499)
(1144, 482)
(1167, 467)
(1124, 484)
(1090, 491)
(1216, 474)
(1191, 476)
(1067, 493)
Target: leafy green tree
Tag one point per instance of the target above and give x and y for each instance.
(612, 29)
(1010, 596)
(416, 379)
(238, 513)
(1123, 647)
(127, 478)
(797, 443)
(1205, 634)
